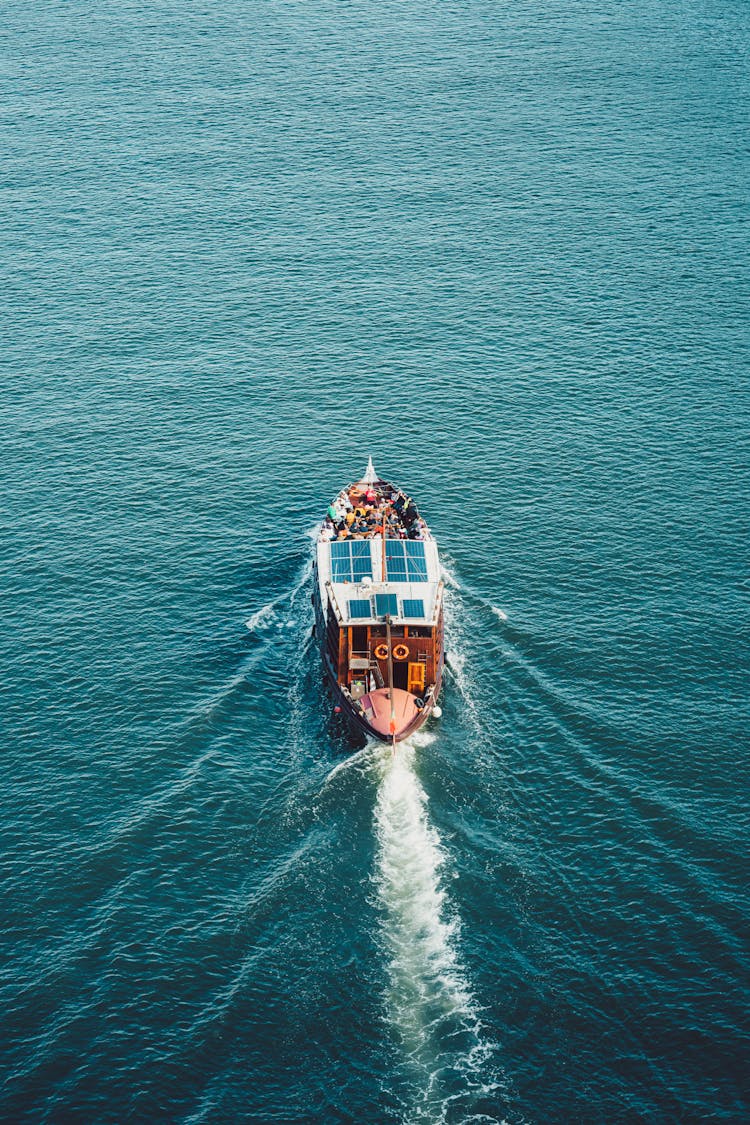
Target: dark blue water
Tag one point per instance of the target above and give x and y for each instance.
(504, 249)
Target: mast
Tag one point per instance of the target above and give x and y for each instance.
(391, 700)
(390, 678)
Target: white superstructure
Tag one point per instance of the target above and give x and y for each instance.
(366, 579)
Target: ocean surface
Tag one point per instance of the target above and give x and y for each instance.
(504, 249)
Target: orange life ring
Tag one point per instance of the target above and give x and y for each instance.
(400, 652)
(382, 652)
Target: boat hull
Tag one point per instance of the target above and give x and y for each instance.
(408, 717)
(378, 596)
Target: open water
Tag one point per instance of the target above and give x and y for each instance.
(504, 249)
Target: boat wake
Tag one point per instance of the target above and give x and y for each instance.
(357, 760)
(262, 617)
(457, 664)
(447, 1062)
(269, 614)
(451, 579)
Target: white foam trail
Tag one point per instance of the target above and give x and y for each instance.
(359, 758)
(429, 1001)
(265, 615)
(449, 577)
(457, 661)
(451, 580)
(422, 738)
(424, 964)
(262, 616)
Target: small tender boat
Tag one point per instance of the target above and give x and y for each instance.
(379, 608)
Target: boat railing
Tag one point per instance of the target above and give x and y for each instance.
(438, 601)
(334, 602)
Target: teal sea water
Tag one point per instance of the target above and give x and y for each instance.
(503, 248)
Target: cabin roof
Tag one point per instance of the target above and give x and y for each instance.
(366, 586)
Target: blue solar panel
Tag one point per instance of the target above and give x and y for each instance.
(415, 561)
(361, 559)
(351, 560)
(360, 607)
(413, 607)
(340, 562)
(395, 560)
(405, 560)
(386, 603)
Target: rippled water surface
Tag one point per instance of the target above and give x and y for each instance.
(504, 249)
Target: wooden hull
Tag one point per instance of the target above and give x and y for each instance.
(374, 712)
(379, 728)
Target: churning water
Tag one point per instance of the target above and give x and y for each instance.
(428, 1000)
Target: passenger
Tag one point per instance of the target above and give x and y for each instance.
(410, 513)
(349, 518)
(371, 495)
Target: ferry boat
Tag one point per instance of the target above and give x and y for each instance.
(379, 608)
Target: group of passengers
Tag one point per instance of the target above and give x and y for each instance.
(364, 513)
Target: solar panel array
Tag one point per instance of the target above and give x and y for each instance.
(360, 609)
(405, 560)
(351, 560)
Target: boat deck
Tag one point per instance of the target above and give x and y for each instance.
(375, 511)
